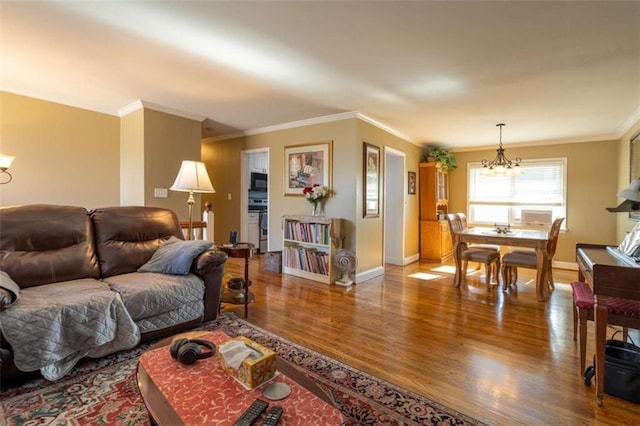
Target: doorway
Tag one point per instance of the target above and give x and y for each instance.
(254, 205)
(395, 190)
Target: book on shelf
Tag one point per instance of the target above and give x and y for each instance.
(307, 259)
(314, 233)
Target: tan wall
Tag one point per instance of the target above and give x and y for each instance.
(624, 224)
(64, 155)
(223, 163)
(591, 187)
(68, 155)
(132, 159)
(169, 139)
(370, 244)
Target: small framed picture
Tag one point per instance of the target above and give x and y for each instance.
(411, 183)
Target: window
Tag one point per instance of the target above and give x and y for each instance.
(540, 189)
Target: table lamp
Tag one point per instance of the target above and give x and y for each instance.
(191, 178)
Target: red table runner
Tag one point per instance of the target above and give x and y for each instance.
(203, 394)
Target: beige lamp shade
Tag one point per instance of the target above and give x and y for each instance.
(5, 161)
(193, 177)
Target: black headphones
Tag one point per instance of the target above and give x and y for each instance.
(188, 351)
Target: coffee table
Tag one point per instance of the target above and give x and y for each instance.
(176, 394)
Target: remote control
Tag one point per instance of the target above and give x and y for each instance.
(273, 415)
(252, 413)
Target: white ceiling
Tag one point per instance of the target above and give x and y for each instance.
(443, 72)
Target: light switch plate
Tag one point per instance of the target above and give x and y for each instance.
(161, 192)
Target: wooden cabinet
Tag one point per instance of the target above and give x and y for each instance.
(308, 246)
(258, 162)
(435, 238)
(434, 191)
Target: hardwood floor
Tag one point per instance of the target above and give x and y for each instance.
(502, 358)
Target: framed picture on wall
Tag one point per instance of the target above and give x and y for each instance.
(634, 167)
(307, 165)
(371, 180)
(411, 183)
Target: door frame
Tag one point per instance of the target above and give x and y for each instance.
(393, 175)
(245, 184)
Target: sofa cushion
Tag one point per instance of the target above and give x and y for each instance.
(175, 256)
(42, 243)
(149, 294)
(127, 237)
(185, 313)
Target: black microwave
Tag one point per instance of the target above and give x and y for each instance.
(258, 181)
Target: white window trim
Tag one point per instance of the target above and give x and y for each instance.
(563, 160)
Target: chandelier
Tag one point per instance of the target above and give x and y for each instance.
(501, 165)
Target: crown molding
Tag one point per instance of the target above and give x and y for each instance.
(134, 106)
(301, 123)
(626, 126)
(325, 119)
(384, 127)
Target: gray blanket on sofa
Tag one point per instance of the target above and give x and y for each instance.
(51, 327)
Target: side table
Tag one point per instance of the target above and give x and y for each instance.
(241, 250)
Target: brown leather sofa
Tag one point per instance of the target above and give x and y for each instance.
(43, 244)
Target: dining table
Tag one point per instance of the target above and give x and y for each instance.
(535, 239)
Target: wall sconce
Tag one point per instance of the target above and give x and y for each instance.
(5, 163)
(631, 196)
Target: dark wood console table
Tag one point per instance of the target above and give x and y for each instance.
(241, 250)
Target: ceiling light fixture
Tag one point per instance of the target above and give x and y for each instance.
(501, 165)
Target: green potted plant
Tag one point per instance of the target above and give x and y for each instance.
(440, 155)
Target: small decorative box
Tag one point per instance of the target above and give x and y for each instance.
(257, 368)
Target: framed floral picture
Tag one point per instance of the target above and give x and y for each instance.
(307, 165)
(371, 180)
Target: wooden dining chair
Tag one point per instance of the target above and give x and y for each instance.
(529, 260)
(490, 247)
(487, 257)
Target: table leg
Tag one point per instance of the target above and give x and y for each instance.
(246, 286)
(601, 337)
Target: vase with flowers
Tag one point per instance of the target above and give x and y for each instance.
(314, 195)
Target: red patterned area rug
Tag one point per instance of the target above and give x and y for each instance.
(104, 391)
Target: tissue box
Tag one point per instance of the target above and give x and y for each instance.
(256, 369)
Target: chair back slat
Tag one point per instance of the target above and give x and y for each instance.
(553, 236)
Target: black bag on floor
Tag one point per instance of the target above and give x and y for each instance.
(621, 370)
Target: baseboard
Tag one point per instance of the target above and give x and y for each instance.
(371, 273)
(570, 266)
(411, 259)
(402, 262)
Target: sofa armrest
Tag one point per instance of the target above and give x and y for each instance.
(6, 299)
(9, 291)
(207, 261)
(210, 267)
